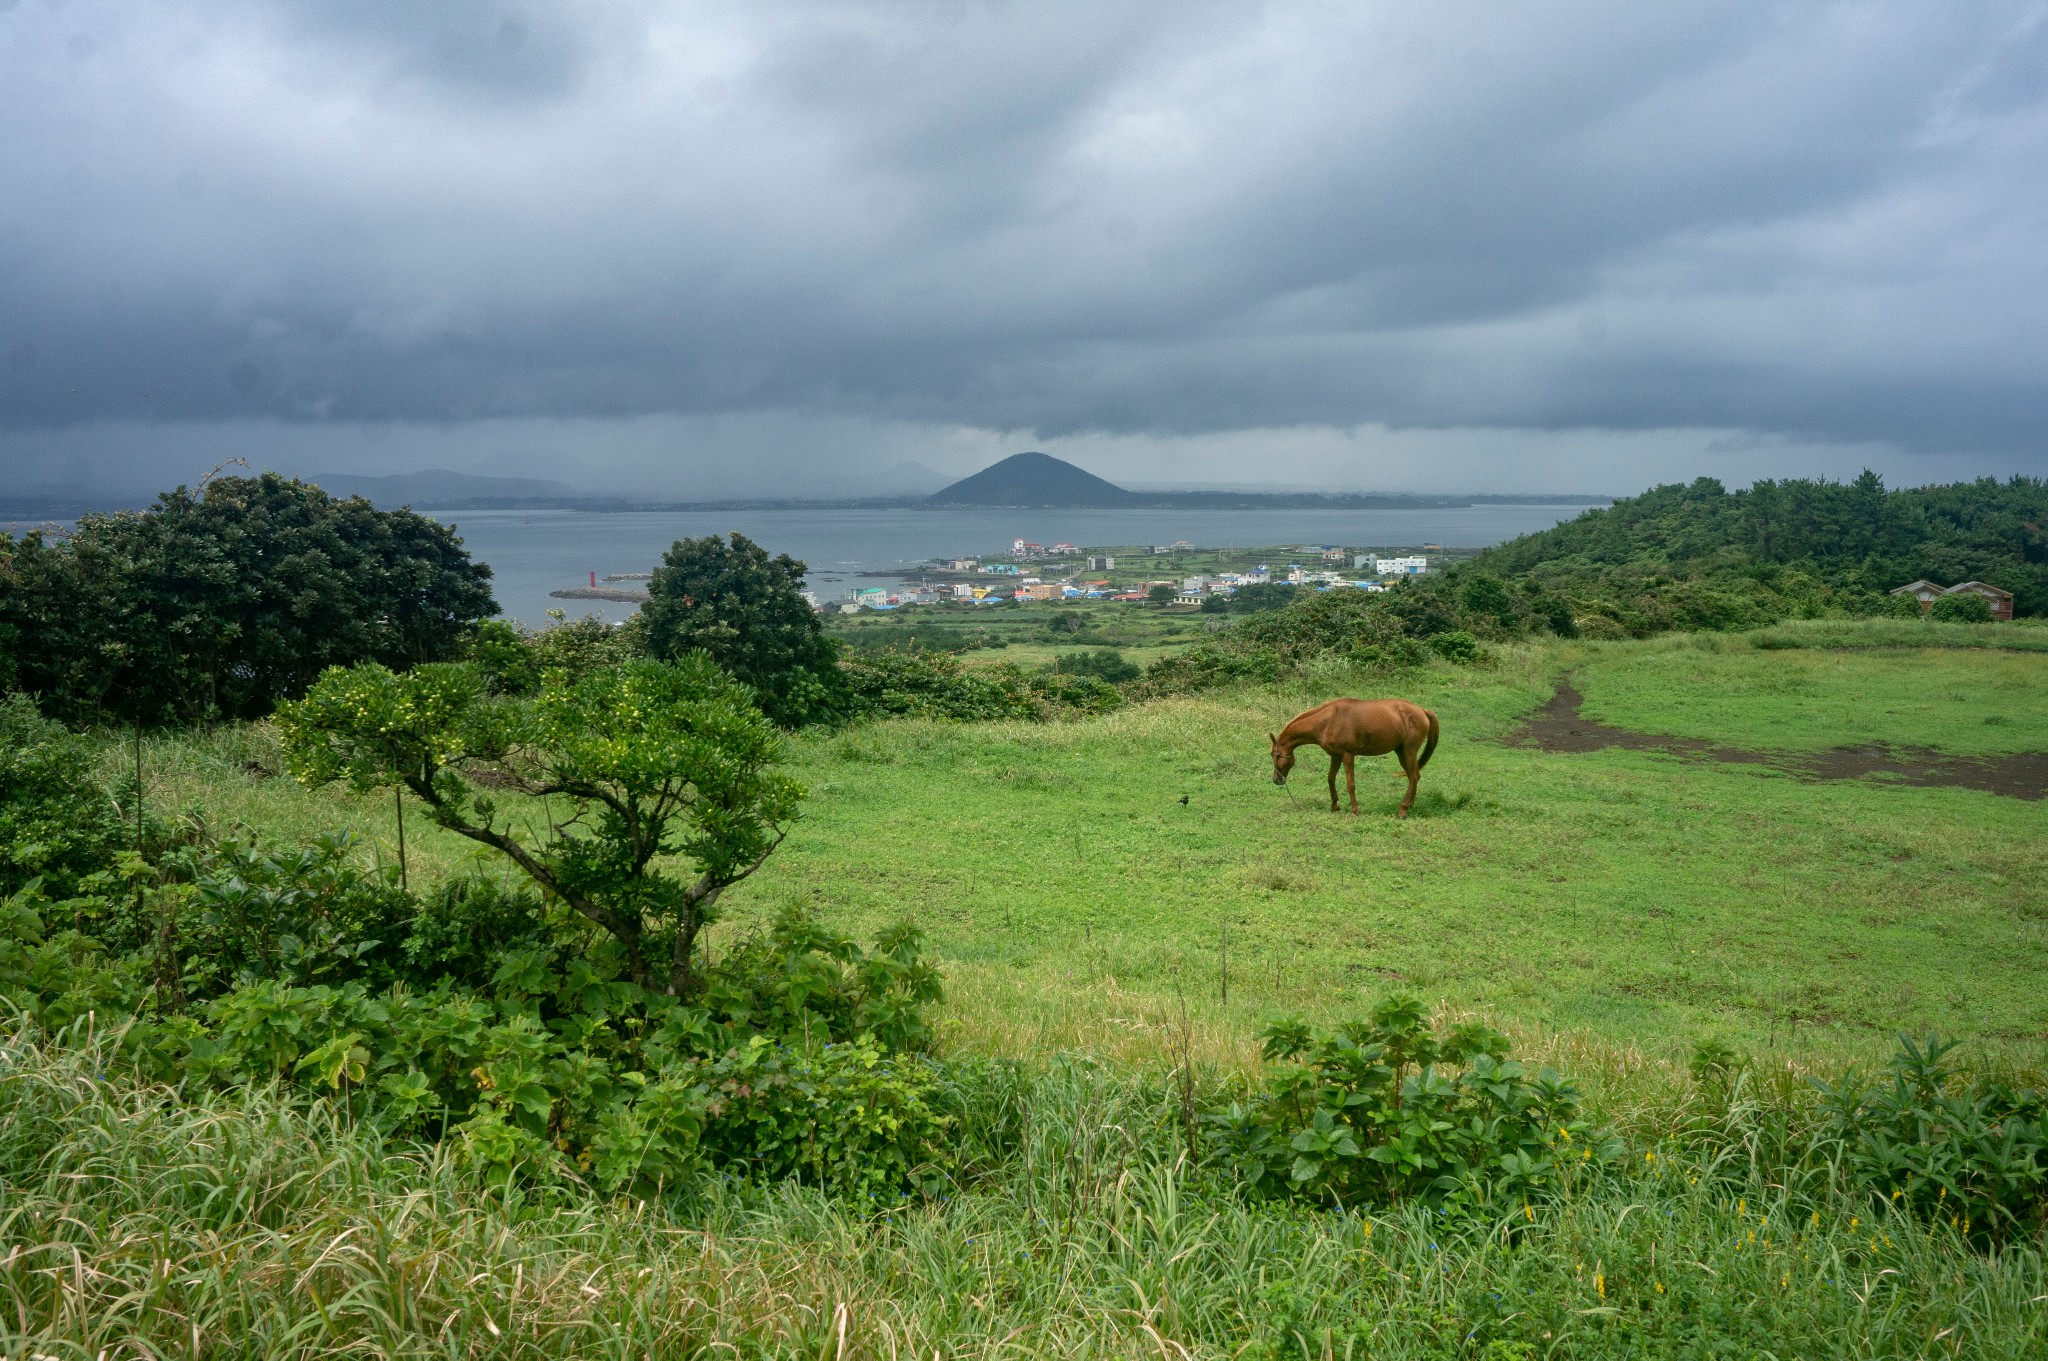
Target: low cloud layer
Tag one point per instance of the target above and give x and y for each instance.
(736, 246)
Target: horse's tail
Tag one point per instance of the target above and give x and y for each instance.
(1429, 747)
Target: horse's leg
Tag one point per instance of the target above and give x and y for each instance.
(1351, 780)
(1335, 761)
(1413, 767)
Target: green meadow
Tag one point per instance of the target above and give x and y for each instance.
(1627, 898)
(1122, 903)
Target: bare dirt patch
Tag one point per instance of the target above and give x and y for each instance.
(1558, 727)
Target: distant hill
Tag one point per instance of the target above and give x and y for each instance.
(1032, 479)
(1036, 479)
(1856, 537)
(442, 488)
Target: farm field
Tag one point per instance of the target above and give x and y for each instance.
(1631, 898)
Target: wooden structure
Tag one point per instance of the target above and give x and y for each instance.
(1927, 592)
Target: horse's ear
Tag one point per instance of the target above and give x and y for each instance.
(1273, 736)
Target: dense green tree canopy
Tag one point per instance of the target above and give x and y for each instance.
(747, 611)
(228, 599)
(1855, 538)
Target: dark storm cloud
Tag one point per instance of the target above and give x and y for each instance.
(1824, 221)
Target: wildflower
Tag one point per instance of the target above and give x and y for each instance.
(1816, 1219)
(1741, 1209)
(1659, 1285)
(1529, 1210)
(1854, 1221)
(1600, 1284)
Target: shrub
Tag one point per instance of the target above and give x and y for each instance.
(796, 1061)
(1972, 1154)
(57, 825)
(1458, 646)
(1262, 596)
(1105, 664)
(306, 915)
(1386, 1110)
(937, 685)
(60, 976)
(894, 684)
(1964, 607)
(1358, 628)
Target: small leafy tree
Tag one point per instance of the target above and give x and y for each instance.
(747, 612)
(1162, 595)
(633, 763)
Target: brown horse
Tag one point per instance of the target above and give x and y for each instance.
(1350, 728)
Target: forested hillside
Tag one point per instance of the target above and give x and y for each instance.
(1785, 547)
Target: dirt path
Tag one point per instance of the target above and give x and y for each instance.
(1558, 727)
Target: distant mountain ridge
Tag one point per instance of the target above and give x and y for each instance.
(1039, 480)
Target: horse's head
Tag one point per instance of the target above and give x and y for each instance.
(1283, 759)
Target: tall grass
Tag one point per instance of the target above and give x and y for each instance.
(139, 1223)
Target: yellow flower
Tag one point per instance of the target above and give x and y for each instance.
(1659, 1285)
(1854, 1221)
(1816, 1219)
(1530, 1211)
(1600, 1284)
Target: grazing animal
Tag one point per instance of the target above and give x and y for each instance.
(1350, 728)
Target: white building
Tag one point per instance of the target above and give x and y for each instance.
(1102, 562)
(1401, 566)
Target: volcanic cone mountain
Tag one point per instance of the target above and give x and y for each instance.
(1033, 479)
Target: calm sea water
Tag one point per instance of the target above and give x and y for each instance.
(534, 552)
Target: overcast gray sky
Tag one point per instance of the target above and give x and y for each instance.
(732, 248)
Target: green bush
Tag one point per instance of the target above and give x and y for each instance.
(938, 685)
(1385, 1110)
(57, 824)
(892, 684)
(798, 1059)
(1964, 607)
(1971, 1154)
(1458, 646)
(1353, 627)
(1106, 664)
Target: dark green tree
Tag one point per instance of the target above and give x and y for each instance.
(1162, 595)
(745, 610)
(228, 599)
(1487, 600)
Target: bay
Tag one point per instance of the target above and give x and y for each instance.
(534, 552)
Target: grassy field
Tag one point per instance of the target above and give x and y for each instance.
(1624, 898)
(1607, 909)
(1981, 704)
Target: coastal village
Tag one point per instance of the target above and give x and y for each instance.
(1032, 571)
